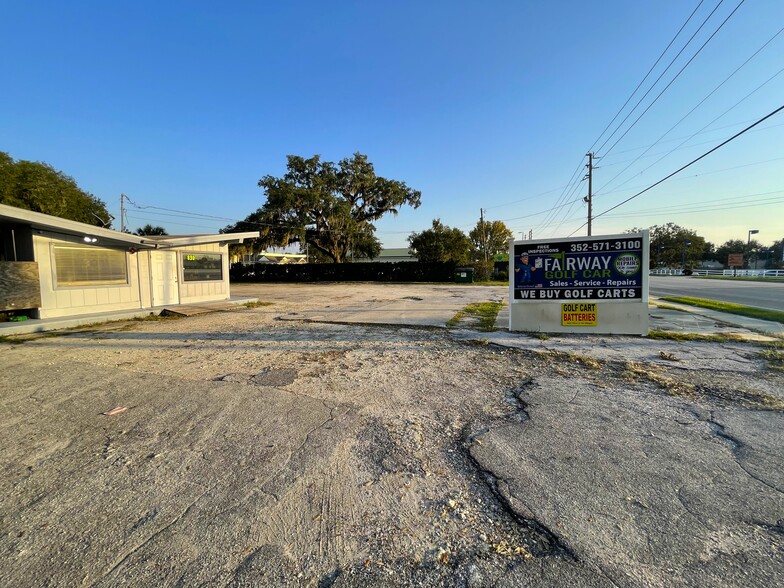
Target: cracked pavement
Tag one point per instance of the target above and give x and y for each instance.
(273, 447)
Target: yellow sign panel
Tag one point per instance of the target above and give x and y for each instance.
(579, 314)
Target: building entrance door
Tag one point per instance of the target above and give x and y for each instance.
(165, 287)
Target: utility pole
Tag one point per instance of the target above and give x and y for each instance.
(122, 213)
(484, 232)
(589, 198)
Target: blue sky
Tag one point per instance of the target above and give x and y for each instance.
(185, 105)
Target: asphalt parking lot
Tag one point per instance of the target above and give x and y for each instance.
(341, 435)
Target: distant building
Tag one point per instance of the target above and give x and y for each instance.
(275, 258)
(389, 256)
(714, 265)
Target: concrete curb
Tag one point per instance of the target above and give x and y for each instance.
(55, 324)
(759, 326)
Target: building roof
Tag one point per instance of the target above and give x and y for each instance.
(52, 224)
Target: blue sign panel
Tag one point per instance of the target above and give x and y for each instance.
(589, 269)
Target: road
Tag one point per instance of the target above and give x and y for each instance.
(759, 294)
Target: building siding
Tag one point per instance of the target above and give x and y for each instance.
(58, 301)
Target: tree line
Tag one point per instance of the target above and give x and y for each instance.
(673, 246)
(39, 187)
(330, 210)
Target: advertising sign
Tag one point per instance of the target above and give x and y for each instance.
(581, 269)
(580, 285)
(735, 260)
(579, 314)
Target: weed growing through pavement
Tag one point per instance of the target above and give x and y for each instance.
(257, 304)
(486, 312)
(774, 357)
(717, 338)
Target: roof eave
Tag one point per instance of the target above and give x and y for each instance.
(45, 222)
(227, 238)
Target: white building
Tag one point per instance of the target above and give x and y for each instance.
(53, 267)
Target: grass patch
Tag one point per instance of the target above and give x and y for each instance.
(24, 337)
(632, 371)
(582, 360)
(729, 307)
(485, 312)
(774, 357)
(673, 336)
(635, 372)
(150, 317)
(257, 304)
(669, 307)
(538, 335)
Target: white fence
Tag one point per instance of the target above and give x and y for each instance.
(752, 273)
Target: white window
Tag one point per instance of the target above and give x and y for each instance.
(89, 266)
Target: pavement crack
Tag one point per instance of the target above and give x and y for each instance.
(758, 479)
(514, 398)
(153, 536)
(687, 507)
(548, 543)
(736, 446)
(777, 529)
(269, 486)
(720, 433)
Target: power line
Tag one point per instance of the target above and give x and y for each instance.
(736, 124)
(198, 216)
(746, 97)
(142, 219)
(538, 195)
(551, 216)
(646, 75)
(684, 146)
(672, 62)
(711, 207)
(700, 103)
(526, 198)
(719, 146)
(710, 204)
(676, 77)
(193, 214)
(707, 173)
(569, 189)
(753, 204)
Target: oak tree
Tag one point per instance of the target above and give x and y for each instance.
(329, 207)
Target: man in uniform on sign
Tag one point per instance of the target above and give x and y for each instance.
(523, 270)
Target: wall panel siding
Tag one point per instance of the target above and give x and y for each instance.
(90, 298)
(62, 298)
(103, 296)
(77, 297)
(59, 301)
(143, 266)
(136, 294)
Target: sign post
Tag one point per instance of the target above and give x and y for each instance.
(580, 285)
